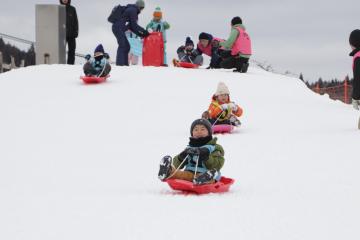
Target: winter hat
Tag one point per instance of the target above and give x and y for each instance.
(201, 121)
(222, 89)
(205, 36)
(99, 49)
(140, 3)
(354, 38)
(189, 42)
(236, 20)
(157, 13)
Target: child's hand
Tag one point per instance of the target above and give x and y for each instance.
(87, 57)
(224, 106)
(233, 107)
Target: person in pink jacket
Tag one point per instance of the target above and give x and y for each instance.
(238, 46)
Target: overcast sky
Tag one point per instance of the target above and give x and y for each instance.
(305, 36)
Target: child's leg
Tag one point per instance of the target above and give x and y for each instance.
(165, 61)
(88, 69)
(199, 60)
(106, 70)
(183, 175)
(135, 60)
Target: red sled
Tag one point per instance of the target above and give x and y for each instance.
(222, 128)
(153, 50)
(177, 63)
(93, 79)
(219, 187)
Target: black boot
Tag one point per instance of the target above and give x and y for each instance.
(165, 168)
(244, 67)
(206, 177)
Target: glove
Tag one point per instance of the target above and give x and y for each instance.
(215, 43)
(193, 151)
(87, 57)
(224, 106)
(106, 56)
(233, 106)
(356, 104)
(202, 153)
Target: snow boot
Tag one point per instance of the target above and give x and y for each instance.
(165, 168)
(206, 177)
(176, 62)
(235, 121)
(244, 67)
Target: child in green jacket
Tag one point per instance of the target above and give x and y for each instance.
(200, 162)
(157, 25)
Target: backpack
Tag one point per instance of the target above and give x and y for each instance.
(116, 13)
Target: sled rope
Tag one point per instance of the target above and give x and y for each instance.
(177, 169)
(218, 118)
(196, 167)
(102, 71)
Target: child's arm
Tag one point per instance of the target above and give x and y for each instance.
(231, 40)
(149, 25)
(166, 25)
(214, 110)
(236, 109)
(216, 159)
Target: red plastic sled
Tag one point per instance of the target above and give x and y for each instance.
(222, 128)
(153, 50)
(219, 187)
(187, 65)
(93, 79)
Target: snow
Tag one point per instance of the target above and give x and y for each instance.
(80, 161)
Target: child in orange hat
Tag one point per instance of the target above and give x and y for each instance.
(158, 25)
(221, 109)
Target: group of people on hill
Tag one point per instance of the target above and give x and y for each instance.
(231, 53)
(202, 159)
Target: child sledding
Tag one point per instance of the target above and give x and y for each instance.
(222, 113)
(189, 57)
(96, 68)
(198, 164)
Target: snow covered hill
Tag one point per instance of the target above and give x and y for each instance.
(80, 161)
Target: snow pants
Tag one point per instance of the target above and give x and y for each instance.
(122, 55)
(90, 71)
(185, 175)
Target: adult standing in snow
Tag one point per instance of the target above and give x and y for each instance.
(240, 45)
(125, 18)
(355, 46)
(72, 30)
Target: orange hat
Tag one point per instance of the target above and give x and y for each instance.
(157, 13)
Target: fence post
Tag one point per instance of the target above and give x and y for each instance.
(1, 62)
(346, 91)
(12, 65)
(317, 88)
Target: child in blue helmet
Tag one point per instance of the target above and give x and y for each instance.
(98, 65)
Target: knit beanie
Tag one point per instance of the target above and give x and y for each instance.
(157, 13)
(354, 38)
(205, 36)
(204, 122)
(140, 3)
(189, 42)
(222, 89)
(100, 49)
(236, 20)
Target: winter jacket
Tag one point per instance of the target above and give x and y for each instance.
(187, 56)
(231, 42)
(215, 110)
(211, 51)
(136, 44)
(216, 159)
(128, 20)
(356, 69)
(72, 24)
(160, 26)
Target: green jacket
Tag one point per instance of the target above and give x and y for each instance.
(232, 38)
(162, 25)
(216, 159)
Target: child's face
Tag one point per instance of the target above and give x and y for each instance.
(204, 42)
(223, 98)
(189, 47)
(200, 131)
(65, 1)
(157, 19)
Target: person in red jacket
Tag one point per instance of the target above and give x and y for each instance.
(221, 109)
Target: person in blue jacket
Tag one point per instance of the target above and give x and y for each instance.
(125, 18)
